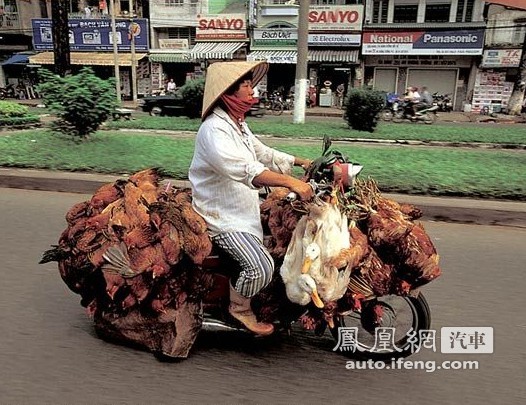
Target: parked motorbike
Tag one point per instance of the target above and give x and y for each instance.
(443, 101)
(274, 103)
(8, 92)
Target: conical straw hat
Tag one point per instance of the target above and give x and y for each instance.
(221, 75)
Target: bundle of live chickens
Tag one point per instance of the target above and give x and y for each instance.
(134, 253)
(377, 249)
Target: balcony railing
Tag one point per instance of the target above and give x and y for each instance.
(9, 21)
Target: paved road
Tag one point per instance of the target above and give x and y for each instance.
(49, 353)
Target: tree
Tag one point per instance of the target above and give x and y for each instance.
(82, 102)
(59, 17)
(517, 96)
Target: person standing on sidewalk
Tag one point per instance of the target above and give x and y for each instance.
(228, 167)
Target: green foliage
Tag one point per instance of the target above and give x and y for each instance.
(11, 109)
(192, 93)
(362, 107)
(6, 121)
(82, 102)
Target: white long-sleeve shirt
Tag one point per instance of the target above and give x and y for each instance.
(226, 161)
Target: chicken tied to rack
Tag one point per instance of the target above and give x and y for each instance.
(133, 252)
(337, 254)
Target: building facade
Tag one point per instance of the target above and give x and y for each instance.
(432, 43)
(388, 44)
(499, 67)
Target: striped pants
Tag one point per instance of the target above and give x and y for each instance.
(257, 266)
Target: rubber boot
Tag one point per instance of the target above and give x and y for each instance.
(240, 309)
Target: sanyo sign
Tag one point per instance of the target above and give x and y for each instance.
(221, 26)
(334, 18)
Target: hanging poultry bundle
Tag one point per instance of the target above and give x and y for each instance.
(388, 254)
(133, 253)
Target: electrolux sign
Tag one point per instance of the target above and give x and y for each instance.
(462, 42)
(93, 34)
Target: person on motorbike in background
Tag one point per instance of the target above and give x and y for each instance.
(228, 167)
(411, 98)
(426, 99)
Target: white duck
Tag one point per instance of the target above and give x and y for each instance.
(300, 287)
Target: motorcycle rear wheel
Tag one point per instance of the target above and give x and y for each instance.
(398, 116)
(386, 115)
(417, 317)
(429, 118)
(277, 108)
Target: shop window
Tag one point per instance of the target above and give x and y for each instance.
(182, 33)
(465, 10)
(405, 13)
(437, 12)
(336, 2)
(519, 33)
(380, 11)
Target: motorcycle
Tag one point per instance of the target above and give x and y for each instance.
(409, 315)
(274, 103)
(361, 293)
(401, 112)
(443, 101)
(8, 92)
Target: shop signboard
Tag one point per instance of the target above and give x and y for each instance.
(335, 18)
(221, 27)
(174, 44)
(497, 58)
(460, 42)
(93, 34)
(275, 37)
(328, 39)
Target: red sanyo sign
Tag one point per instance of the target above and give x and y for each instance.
(221, 26)
(335, 18)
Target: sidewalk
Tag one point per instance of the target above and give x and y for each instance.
(462, 210)
(454, 116)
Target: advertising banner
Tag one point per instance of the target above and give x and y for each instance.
(275, 37)
(221, 27)
(335, 18)
(328, 39)
(461, 42)
(501, 58)
(93, 34)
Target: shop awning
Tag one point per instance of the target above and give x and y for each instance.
(171, 57)
(315, 55)
(86, 58)
(273, 56)
(349, 56)
(215, 50)
(16, 59)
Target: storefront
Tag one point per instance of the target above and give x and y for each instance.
(443, 61)
(495, 79)
(220, 37)
(334, 41)
(171, 60)
(90, 42)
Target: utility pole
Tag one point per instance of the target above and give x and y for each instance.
(300, 91)
(59, 18)
(133, 32)
(115, 52)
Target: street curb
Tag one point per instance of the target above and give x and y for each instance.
(444, 209)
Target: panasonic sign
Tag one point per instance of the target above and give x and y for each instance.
(450, 39)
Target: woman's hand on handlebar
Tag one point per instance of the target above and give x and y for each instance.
(304, 163)
(304, 190)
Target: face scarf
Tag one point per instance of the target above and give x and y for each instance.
(237, 107)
